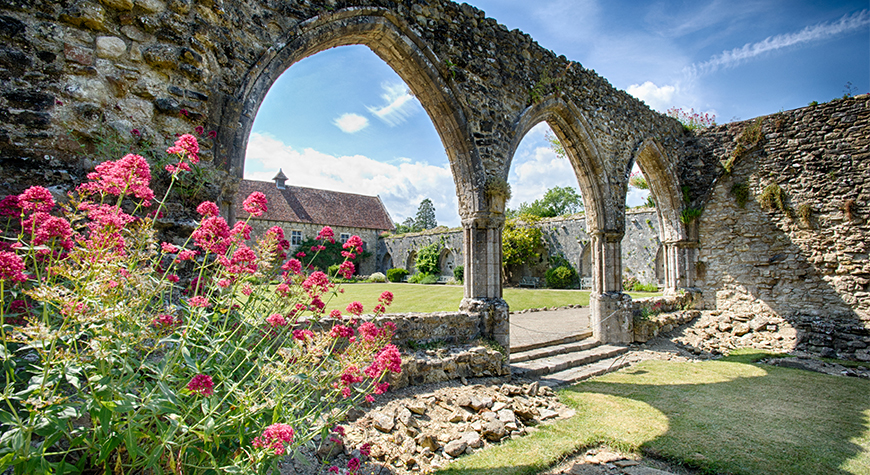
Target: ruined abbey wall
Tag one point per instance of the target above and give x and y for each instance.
(564, 236)
(806, 260)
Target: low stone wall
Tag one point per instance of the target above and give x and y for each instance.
(445, 364)
(652, 316)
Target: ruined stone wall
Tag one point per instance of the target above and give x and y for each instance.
(79, 69)
(564, 236)
(805, 261)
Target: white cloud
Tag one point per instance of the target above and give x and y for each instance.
(401, 187)
(659, 98)
(536, 168)
(351, 123)
(772, 43)
(400, 104)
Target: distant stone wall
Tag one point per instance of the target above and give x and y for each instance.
(564, 236)
(808, 261)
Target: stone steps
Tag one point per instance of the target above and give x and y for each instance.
(574, 375)
(564, 359)
(554, 348)
(534, 346)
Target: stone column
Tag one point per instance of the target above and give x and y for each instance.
(483, 295)
(679, 260)
(611, 321)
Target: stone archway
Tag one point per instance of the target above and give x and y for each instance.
(394, 43)
(605, 213)
(447, 262)
(410, 262)
(386, 263)
(679, 247)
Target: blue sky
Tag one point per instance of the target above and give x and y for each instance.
(343, 120)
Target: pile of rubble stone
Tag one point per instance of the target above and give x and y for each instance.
(425, 431)
(720, 332)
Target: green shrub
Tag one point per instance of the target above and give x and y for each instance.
(651, 287)
(396, 274)
(562, 277)
(332, 270)
(427, 259)
(628, 283)
(459, 273)
(377, 277)
(421, 278)
(772, 198)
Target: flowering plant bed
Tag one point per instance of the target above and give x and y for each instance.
(115, 362)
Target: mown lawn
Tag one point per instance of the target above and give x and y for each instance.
(725, 416)
(442, 298)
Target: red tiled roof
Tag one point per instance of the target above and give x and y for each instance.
(307, 205)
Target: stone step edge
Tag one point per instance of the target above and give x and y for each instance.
(540, 367)
(581, 373)
(568, 339)
(552, 350)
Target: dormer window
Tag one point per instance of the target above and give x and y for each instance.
(280, 180)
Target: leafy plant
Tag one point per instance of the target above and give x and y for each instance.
(740, 192)
(427, 259)
(498, 186)
(113, 362)
(423, 278)
(459, 273)
(520, 243)
(562, 277)
(805, 213)
(772, 198)
(377, 277)
(690, 214)
(326, 254)
(396, 274)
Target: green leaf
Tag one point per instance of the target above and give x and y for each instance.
(187, 359)
(106, 449)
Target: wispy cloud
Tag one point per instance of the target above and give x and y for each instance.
(401, 186)
(809, 34)
(399, 104)
(351, 123)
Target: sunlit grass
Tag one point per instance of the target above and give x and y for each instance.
(717, 416)
(445, 298)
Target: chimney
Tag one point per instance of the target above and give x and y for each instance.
(280, 179)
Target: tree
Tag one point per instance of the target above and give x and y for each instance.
(557, 201)
(637, 180)
(425, 218)
(406, 226)
(520, 242)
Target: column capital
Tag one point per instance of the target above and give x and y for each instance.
(682, 244)
(483, 220)
(608, 235)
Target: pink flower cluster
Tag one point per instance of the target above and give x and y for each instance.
(129, 175)
(326, 234)
(185, 147)
(255, 204)
(274, 437)
(11, 267)
(201, 384)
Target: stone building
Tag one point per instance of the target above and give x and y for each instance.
(303, 212)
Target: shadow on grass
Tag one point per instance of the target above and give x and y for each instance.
(759, 419)
(725, 416)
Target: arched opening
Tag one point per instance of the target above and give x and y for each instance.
(410, 263)
(386, 263)
(376, 29)
(660, 267)
(447, 262)
(586, 267)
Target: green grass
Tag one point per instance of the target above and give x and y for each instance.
(446, 298)
(717, 416)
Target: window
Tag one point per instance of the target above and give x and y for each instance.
(295, 238)
(344, 237)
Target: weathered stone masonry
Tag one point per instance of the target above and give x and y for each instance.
(77, 68)
(808, 262)
(82, 66)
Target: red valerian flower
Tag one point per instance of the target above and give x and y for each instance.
(293, 265)
(365, 449)
(326, 233)
(201, 384)
(274, 437)
(130, 174)
(255, 204)
(208, 208)
(335, 314)
(36, 199)
(213, 235)
(9, 207)
(355, 242)
(11, 267)
(45, 228)
(303, 335)
(355, 308)
(198, 301)
(353, 464)
(341, 331)
(386, 297)
(168, 247)
(276, 320)
(346, 269)
(199, 129)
